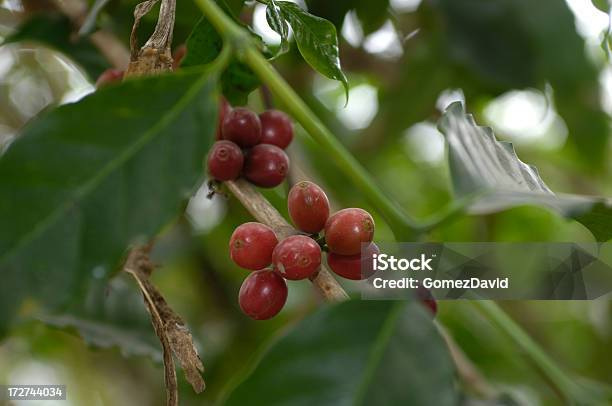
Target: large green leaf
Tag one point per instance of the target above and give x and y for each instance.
(84, 181)
(203, 46)
(358, 352)
(481, 164)
(55, 31)
(316, 39)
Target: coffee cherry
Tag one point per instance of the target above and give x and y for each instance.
(109, 76)
(262, 294)
(276, 128)
(426, 298)
(347, 229)
(177, 57)
(266, 165)
(224, 109)
(241, 126)
(251, 246)
(355, 267)
(308, 207)
(225, 160)
(296, 257)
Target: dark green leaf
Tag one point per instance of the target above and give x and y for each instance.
(233, 7)
(278, 24)
(112, 316)
(203, 46)
(358, 352)
(55, 31)
(481, 164)
(372, 14)
(84, 181)
(316, 39)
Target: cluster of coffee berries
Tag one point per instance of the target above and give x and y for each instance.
(251, 145)
(255, 247)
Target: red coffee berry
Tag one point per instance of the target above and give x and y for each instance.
(225, 160)
(266, 165)
(251, 246)
(179, 54)
(296, 257)
(276, 128)
(347, 229)
(109, 76)
(427, 299)
(308, 207)
(241, 126)
(224, 109)
(355, 267)
(262, 295)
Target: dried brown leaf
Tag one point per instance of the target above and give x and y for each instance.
(173, 334)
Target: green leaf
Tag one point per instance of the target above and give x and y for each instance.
(481, 164)
(55, 31)
(316, 39)
(358, 352)
(278, 24)
(83, 182)
(203, 46)
(112, 316)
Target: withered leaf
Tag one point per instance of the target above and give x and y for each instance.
(173, 334)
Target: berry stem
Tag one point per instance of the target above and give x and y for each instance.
(562, 383)
(265, 213)
(403, 226)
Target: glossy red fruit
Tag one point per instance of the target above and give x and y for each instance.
(347, 229)
(110, 76)
(355, 267)
(262, 294)
(266, 165)
(179, 54)
(426, 298)
(296, 257)
(241, 126)
(276, 128)
(224, 109)
(251, 246)
(225, 160)
(308, 207)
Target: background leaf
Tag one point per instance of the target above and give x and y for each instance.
(317, 41)
(358, 352)
(203, 46)
(525, 52)
(55, 31)
(481, 164)
(74, 195)
(112, 315)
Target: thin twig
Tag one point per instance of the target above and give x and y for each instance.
(468, 373)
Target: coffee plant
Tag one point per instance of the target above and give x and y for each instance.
(98, 243)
